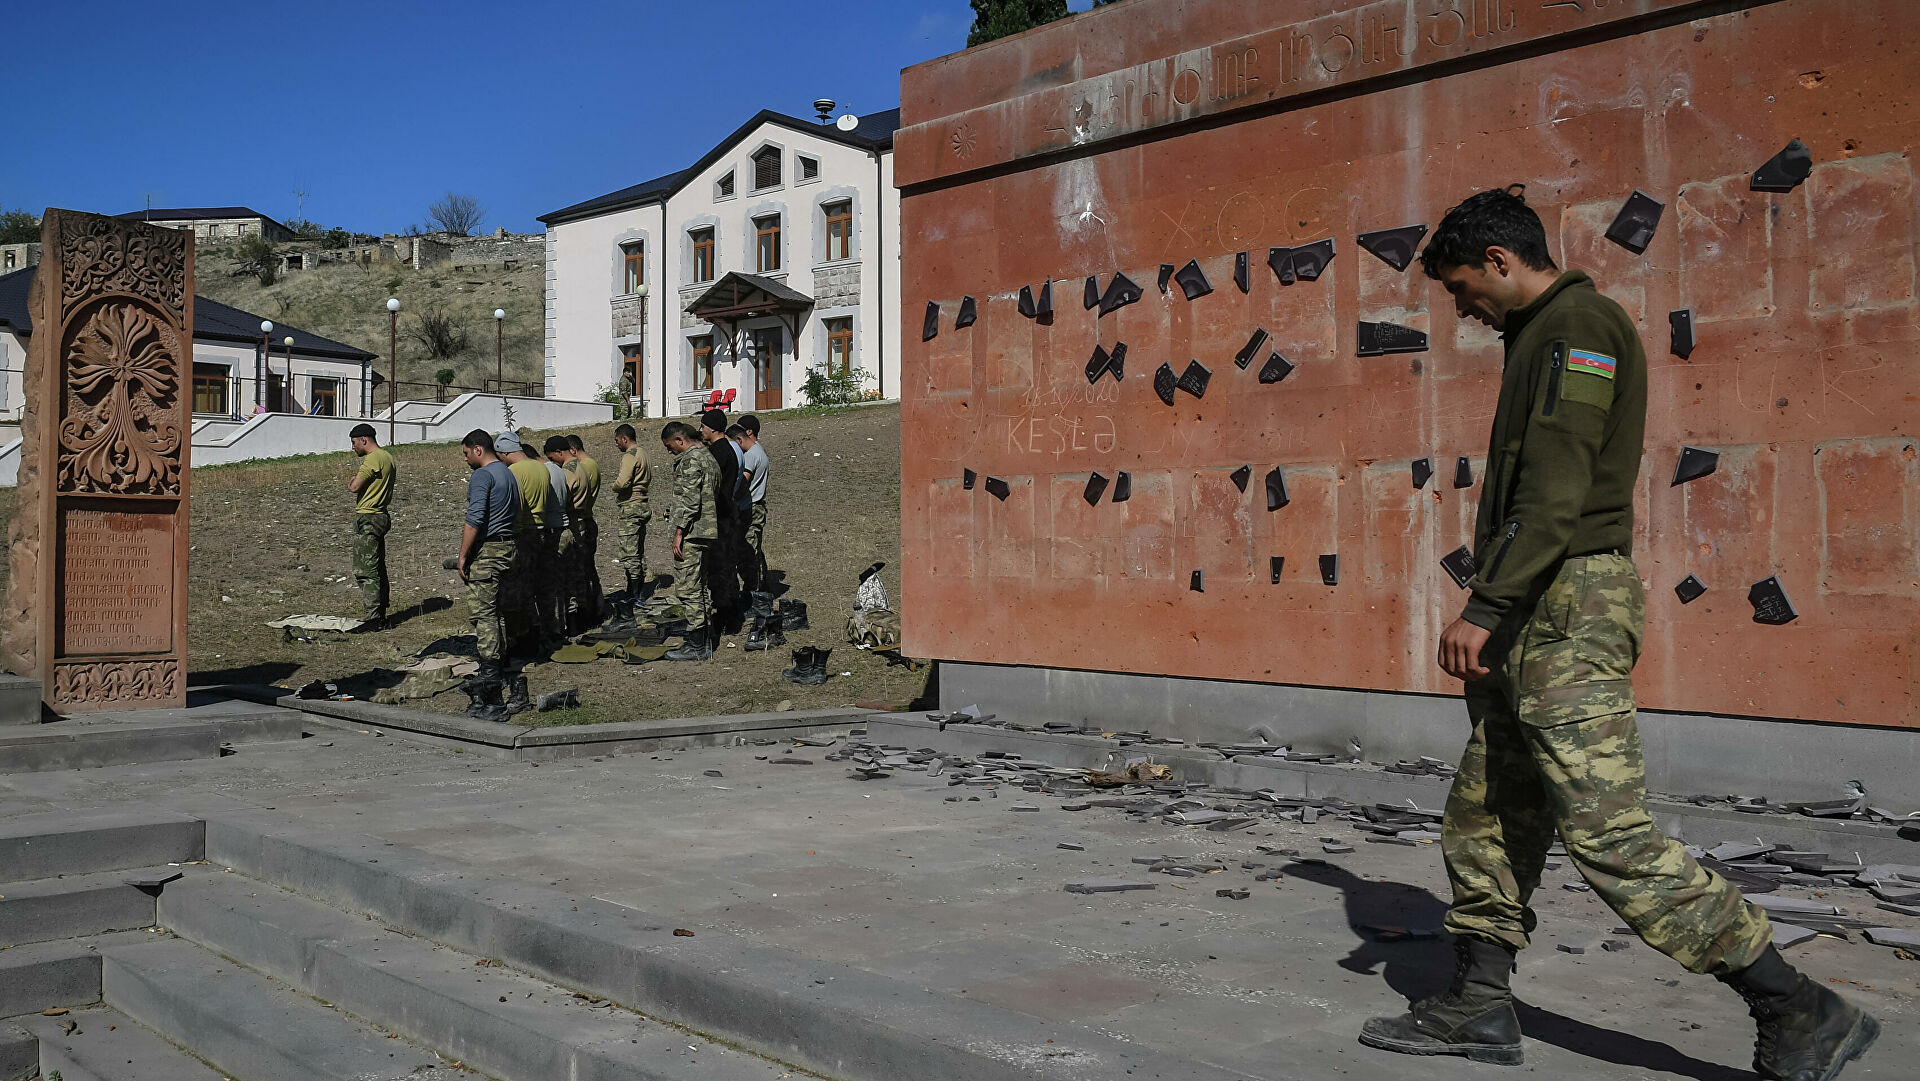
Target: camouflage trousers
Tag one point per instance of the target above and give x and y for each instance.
(532, 590)
(689, 590)
(370, 560)
(753, 560)
(580, 587)
(1555, 750)
(486, 574)
(633, 542)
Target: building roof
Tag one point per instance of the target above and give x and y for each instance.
(195, 213)
(212, 321)
(738, 293)
(873, 133)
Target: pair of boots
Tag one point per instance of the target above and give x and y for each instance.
(698, 645)
(792, 615)
(809, 666)
(769, 628)
(1807, 1033)
(485, 689)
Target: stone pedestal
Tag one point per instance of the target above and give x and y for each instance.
(97, 598)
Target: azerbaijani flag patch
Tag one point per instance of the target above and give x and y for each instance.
(1586, 360)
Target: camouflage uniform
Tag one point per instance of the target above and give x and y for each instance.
(583, 589)
(1554, 746)
(489, 569)
(526, 592)
(371, 524)
(696, 479)
(630, 489)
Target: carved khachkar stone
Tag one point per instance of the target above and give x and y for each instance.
(97, 595)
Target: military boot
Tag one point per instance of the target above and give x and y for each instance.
(518, 701)
(767, 629)
(1475, 1018)
(697, 647)
(483, 692)
(809, 666)
(1807, 1033)
(793, 615)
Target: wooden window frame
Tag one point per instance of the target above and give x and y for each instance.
(702, 361)
(766, 244)
(839, 215)
(327, 389)
(633, 267)
(223, 382)
(840, 337)
(703, 246)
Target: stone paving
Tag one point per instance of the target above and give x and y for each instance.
(968, 898)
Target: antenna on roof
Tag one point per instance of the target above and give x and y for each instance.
(847, 122)
(824, 107)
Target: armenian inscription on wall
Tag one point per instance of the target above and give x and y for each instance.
(117, 570)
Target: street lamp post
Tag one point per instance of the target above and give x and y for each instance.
(500, 350)
(286, 388)
(266, 362)
(393, 369)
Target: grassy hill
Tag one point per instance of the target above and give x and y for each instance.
(348, 303)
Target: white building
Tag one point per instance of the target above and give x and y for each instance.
(214, 223)
(776, 254)
(230, 378)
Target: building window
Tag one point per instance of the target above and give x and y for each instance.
(10, 260)
(809, 167)
(633, 263)
(839, 229)
(723, 187)
(703, 362)
(210, 388)
(702, 255)
(766, 168)
(631, 358)
(839, 347)
(326, 398)
(767, 243)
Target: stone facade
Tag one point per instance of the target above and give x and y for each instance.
(837, 286)
(629, 316)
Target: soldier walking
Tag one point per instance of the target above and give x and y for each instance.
(486, 558)
(1547, 646)
(371, 524)
(630, 488)
(696, 479)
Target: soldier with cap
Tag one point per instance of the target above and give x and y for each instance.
(695, 535)
(630, 489)
(373, 484)
(1546, 647)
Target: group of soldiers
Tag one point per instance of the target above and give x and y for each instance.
(529, 549)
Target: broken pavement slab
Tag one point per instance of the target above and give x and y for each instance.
(1108, 885)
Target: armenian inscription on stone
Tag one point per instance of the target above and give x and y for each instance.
(117, 594)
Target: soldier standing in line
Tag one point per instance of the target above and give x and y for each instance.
(696, 480)
(724, 572)
(630, 488)
(1547, 646)
(371, 523)
(529, 610)
(583, 492)
(485, 561)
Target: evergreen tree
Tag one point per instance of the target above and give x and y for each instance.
(995, 19)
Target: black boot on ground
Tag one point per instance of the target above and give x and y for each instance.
(518, 701)
(697, 647)
(767, 631)
(1807, 1033)
(809, 667)
(793, 615)
(1474, 1018)
(483, 693)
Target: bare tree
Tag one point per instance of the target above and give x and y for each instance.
(457, 214)
(442, 334)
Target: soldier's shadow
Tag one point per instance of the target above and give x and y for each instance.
(1418, 967)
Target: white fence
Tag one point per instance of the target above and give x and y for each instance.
(219, 441)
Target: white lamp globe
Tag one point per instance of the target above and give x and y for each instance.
(393, 304)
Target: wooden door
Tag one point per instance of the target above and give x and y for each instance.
(769, 361)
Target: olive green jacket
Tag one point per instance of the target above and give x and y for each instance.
(696, 478)
(1565, 451)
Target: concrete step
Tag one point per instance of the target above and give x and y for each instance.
(44, 974)
(89, 743)
(251, 1027)
(73, 906)
(497, 1020)
(19, 1053)
(106, 1045)
(19, 700)
(81, 842)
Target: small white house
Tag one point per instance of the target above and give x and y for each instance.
(776, 254)
(231, 378)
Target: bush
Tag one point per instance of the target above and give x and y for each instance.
(442, 334)
(336, 238)
(257, 256)
(824, 389)
(444, 377)
(19, 227)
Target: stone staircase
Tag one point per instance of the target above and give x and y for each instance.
(170, 948)
(210, 726)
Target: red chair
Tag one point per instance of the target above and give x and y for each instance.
(727, 401)
(713, 399)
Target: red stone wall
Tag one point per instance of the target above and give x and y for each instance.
(1158, 131)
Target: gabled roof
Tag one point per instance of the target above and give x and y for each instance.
(194, 213)
(737, 292)
(212, 320)
(873, 133)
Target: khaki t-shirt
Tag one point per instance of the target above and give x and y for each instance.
(376, 481)
(536, 494)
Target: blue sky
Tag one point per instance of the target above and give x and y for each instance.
(374, 109)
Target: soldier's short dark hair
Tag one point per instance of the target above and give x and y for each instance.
(715, 419)
(676, 429)
(626, 431)
(735, 431)
(363, 431)
(556, 444)
(577, 443)
(751, 423)
(1496, 218)
(478, 438)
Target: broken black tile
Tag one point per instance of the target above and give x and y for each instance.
(1164, 381)
(1071, 847)
(1379, 339)
(1233, 894)
(1092, 297)
(1096, 486)
(1275, 369)
(1680, 332)
(1123, 487)
(1193, 280)
(1198, 582)
(1117, 363)
(968, 313)
(1121, 291)
(1689, 589)
(1463, 473)
(1107, 885)
(1310, 260)
(1784, 171)
(1241, 476)
(1459, 565)
(1166, 275)
(1694, 463)
(1634, 226)
(1097, 364)
(1277, 490)
(998, 488)
(967, 477)
(1281, 262)
(1422, 472)
(1395, 247)
(1195, 379)
(1770, 603)
(1043, 307)
(1250, 350)
(1565, 948)
(1026, 302)
(1330, 569)
(1275, 564)
(1240, 270)
(930, 326)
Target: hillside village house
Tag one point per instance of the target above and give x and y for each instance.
(215, 223)
(329, 378)
(777, 253)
